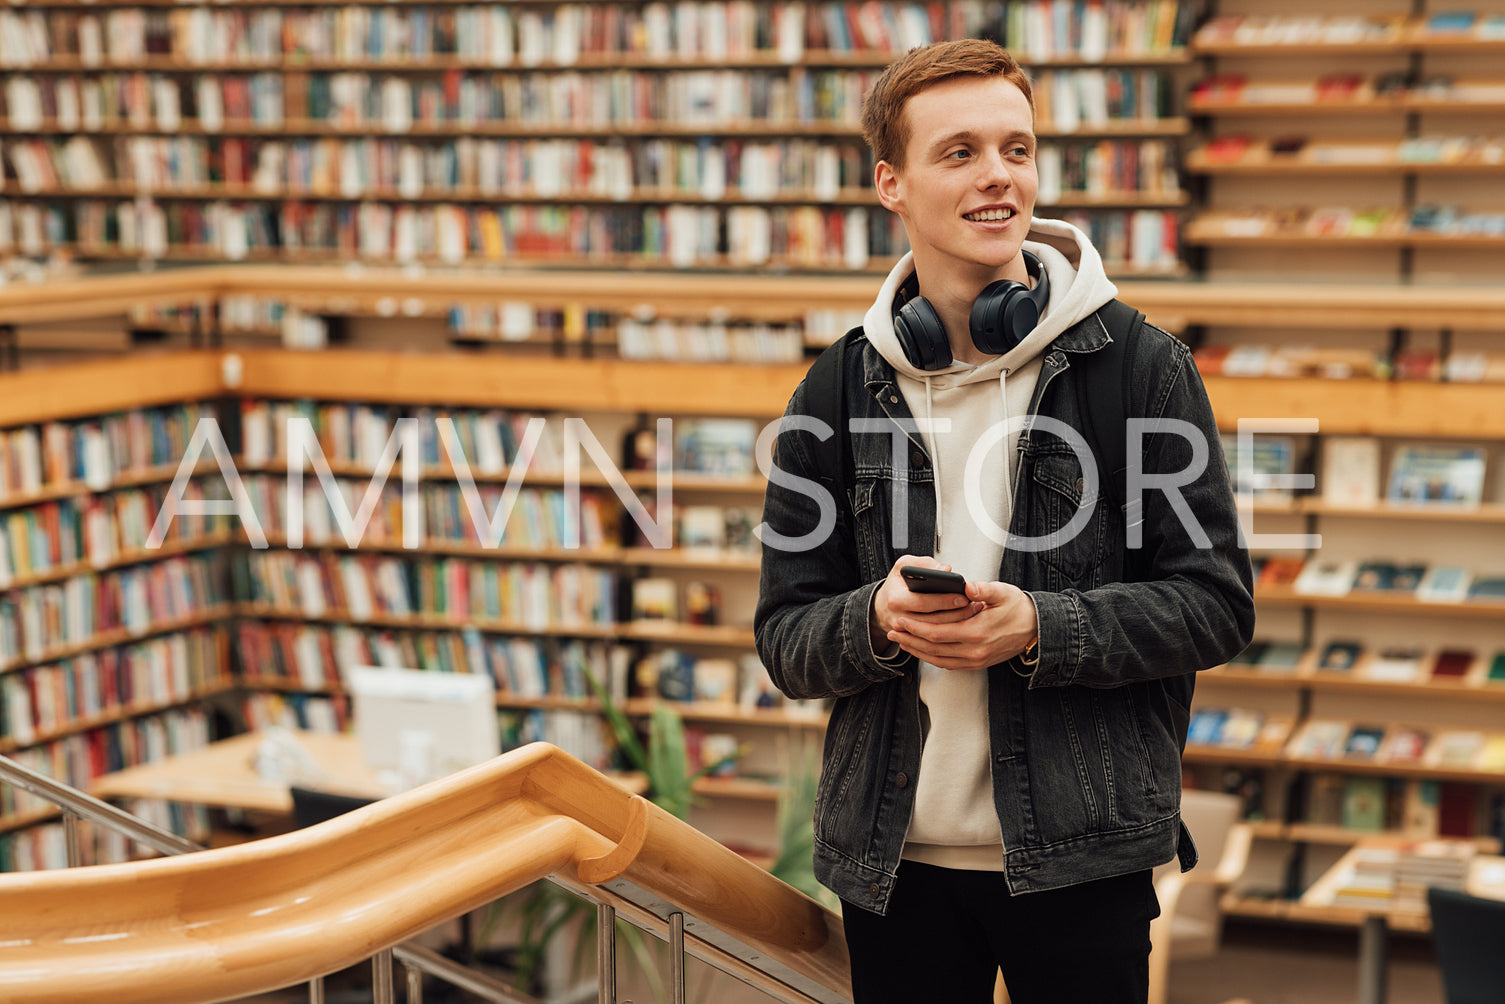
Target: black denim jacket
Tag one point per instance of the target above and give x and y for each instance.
(1086, 748)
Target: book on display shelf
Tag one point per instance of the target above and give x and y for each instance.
(1446, 475)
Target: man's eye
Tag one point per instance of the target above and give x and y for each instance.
(960, 154)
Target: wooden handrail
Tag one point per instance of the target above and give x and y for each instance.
(359, 287)
(263, 915)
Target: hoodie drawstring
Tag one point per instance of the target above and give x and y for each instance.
(1008, 459)
(935, 463)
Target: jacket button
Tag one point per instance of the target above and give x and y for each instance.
(916, 458)
(902, 779)
(1081, 485)
(893, 399)
(872, 890)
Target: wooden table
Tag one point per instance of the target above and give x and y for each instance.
(223, 774)
(1486, 877)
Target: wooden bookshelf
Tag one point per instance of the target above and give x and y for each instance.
(787, 71)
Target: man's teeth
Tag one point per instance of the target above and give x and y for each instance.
(989, 215)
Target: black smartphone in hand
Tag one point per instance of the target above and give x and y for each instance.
(932, 580)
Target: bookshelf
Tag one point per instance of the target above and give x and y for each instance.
(1309, 801)
(699, 135)
(618, 393)
(1394, 175)
(112, 653)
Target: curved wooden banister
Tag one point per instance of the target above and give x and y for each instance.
(225, 923)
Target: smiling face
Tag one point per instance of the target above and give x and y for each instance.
(967, 189)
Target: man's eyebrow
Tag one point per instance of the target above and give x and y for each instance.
(969, 135)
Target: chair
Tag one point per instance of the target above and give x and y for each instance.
(1189, 915)
(1190, 924)
(1468, 933)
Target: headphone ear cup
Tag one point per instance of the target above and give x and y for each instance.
(1005, 312)
(921, 335)
(995, 316)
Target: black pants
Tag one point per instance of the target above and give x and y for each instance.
(948, 932)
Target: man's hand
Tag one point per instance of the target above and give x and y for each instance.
(997, 624)
(894, 600)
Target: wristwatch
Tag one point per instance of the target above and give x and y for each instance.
(1027, 659)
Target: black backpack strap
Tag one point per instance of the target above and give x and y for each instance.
(826, 396)
(1104, 393)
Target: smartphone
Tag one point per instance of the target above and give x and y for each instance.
(933, 580)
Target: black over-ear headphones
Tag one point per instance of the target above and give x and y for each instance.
(1003, 314)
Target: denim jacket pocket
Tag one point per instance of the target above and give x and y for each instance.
(1073, 553)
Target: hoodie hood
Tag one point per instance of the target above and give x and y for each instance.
(1078, 286)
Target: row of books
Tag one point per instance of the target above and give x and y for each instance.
(1066, 100)
(1398, 877)
(496, 36)
(531, 595)
(154, 673)
(1345, 29)
(1398, 745)
(1431, 583)
(319, 657)
(1106, 169)
(489, 442)
(1259, 360)
(36, 848)
(1417, 580)
(536, 518)
(1385, 663)
(1322, 222)
(582, 734)
(1323, 739)
(1367, 803)
(309, 712)
(454, 100)
(1039, 29)
(643, 170)
(80, 759)
(39, 619)
(711, 342)
(679, 236)
(98, 530)
(1391, 89)
(1419, 474)
(96, 451)
(649, 336)
(1241, 148)
(1142, 240)
(491, 168)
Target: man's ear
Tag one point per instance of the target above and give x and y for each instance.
(886, 184)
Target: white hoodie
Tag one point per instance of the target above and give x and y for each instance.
(954, 823)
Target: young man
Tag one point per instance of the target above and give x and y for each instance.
(1002, 767)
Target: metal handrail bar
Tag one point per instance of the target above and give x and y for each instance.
(429, 961)
(87, 806)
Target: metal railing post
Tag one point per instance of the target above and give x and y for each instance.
(71, 843)
(382, 990)
(316, 990)
(677, 957)
(415, 983)
(606, 954)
